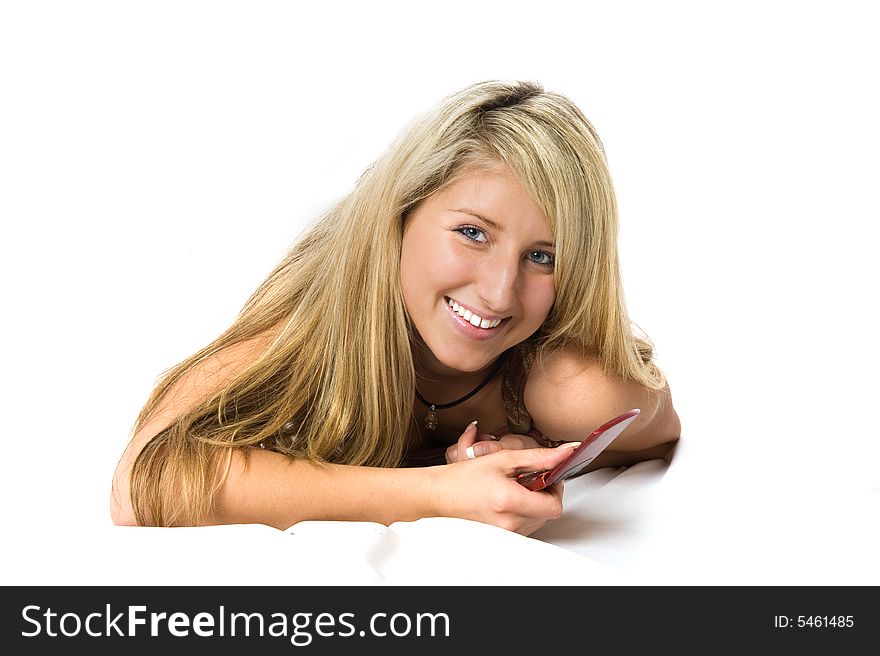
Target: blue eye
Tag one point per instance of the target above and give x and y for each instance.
(472, 233)
(542, 258)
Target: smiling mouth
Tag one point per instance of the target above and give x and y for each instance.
(474, 319)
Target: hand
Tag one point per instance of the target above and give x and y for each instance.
(485, 489)
(473, 444)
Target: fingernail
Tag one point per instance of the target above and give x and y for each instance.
(569, 445)
(471, 425)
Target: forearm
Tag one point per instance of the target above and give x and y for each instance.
(609, 458)
(268, 488)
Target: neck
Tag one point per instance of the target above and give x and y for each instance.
(429, 370)
(446, 391)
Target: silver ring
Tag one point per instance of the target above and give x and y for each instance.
(469, 452)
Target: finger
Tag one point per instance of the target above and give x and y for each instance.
(556, 490)
(541, 505)
(457, 451)
(465, 443)
(483, 448)
(539, 459)
(469, 436)
(517, 442)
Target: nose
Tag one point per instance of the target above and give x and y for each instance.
(497, 283)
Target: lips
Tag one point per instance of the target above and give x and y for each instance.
(472, 324)
(472, 317)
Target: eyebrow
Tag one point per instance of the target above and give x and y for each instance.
(495, 226)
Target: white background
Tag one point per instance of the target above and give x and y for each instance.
(157, 158)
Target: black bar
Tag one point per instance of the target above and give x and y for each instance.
(337, 619)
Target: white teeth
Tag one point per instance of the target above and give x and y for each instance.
(472, 318)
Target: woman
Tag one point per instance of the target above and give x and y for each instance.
(470, 276)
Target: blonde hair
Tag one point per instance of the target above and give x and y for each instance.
(336, 382)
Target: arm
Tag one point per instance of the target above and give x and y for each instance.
(569, 396)
(265, 487)
(269, 488)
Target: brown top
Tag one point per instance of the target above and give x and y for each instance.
(513, 387)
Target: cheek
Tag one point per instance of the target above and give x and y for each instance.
(427, 269)
(432, 269)
(540, 298)
(411, 283)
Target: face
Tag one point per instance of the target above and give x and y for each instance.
(476, 270)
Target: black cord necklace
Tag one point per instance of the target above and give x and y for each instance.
(431, 419)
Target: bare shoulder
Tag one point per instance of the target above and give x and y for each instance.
(206, 378)
(569, 395)
(199, 383)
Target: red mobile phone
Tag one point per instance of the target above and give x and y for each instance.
(583, 455)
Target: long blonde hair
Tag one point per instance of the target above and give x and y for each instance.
(336, 382)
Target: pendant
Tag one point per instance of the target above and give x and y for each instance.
(431, 419)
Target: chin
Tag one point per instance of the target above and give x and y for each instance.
(466, 362)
